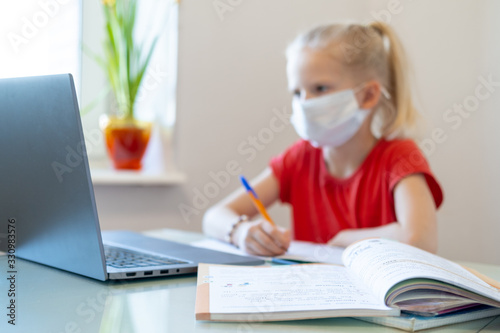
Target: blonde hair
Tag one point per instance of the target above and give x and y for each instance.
(373, 51)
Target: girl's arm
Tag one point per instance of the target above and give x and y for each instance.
(256, 237)
(416, 218)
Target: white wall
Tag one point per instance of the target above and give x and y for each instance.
(231, 81)
(452, 44)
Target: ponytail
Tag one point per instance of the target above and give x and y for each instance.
(405, 116)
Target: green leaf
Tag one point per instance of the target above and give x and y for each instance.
(125, 60)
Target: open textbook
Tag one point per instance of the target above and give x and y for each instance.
(379, 278)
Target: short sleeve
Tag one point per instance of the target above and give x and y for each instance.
(407, 159)
(284, 168)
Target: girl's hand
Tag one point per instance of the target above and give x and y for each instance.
(261, 238)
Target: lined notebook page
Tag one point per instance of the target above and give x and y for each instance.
(286, 288)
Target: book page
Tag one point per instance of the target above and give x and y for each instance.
(261, 290)
(299, 250)
(312, 252)
(382, 263)
(218, 245)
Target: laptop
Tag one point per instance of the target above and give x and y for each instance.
(47, 204)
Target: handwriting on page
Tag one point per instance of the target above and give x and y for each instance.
(286, 288)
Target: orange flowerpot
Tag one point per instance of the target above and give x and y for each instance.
(126, 141)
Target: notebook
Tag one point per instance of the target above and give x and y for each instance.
(380, 278)
(47, 202)
(414, 323)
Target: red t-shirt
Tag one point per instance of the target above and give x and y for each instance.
(324, 205)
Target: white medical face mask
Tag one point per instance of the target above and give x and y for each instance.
(329, 120)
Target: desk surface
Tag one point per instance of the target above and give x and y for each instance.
(50, 300)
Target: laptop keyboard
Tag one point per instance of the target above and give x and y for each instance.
(121, 258)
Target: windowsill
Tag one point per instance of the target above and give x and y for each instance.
(117, 177)
(103, 174)
(158, 167)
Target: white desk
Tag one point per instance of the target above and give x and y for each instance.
(50, 300)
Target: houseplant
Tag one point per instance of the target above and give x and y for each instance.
(125, 62)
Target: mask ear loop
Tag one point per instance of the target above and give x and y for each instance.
(385, 92)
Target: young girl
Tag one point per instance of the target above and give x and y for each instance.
(354, 174)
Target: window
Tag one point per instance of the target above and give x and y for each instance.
(40, 38)
(155, 102)
(46, 37)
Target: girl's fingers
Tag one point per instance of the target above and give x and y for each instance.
(262, 238)
(279, 236)
(267, 242)
(254, 247)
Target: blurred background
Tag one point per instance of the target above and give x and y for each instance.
(222, 102)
